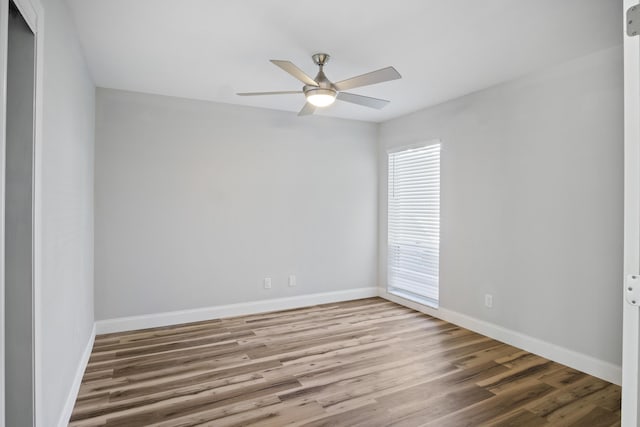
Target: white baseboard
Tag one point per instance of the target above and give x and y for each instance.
(199, 314)
(65, 416)
(590, 365)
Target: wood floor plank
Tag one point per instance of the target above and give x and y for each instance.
(365, 363)
(597, 417)
(490, 409)
(114, 404)
(519, 418)
(189, 339)
(214, 416)
(269, 416)
(415, 412)
(176, 407)
(559, 399)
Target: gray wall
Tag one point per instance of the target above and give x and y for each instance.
(531, 202)
(67, 207)
(197, 202)
(19, 223)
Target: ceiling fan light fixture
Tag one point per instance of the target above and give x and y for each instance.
(321, 92)
(320, 97)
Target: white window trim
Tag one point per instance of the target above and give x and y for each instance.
(414, 298)
(413, 146)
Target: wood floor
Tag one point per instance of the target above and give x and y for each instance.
(367, 363)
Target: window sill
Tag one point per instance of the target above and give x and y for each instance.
(414, 298)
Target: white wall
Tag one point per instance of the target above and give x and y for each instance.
(197, 202)
(531, 202)
(67, 208)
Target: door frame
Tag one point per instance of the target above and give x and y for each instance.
(33, 14)
(631, 313)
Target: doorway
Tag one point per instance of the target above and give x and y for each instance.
(19, 220)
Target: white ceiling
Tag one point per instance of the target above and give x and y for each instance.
(210, 49)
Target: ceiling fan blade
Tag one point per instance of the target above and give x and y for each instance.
(367, 101)
(378, 76)
(307, 109)
(282, 92)
(296, 72)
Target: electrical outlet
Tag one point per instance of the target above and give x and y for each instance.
(267, 282)
(292, 280)
(488, 300)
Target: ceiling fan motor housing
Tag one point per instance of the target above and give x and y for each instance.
(319, 90)
(325, 86)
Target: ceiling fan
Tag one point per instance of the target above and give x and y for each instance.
(322, 92)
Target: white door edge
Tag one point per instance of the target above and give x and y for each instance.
(631, 313)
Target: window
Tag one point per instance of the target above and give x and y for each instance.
(414, 223)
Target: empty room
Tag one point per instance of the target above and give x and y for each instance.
(348, 213)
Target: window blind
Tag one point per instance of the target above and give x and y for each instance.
(414, 223)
